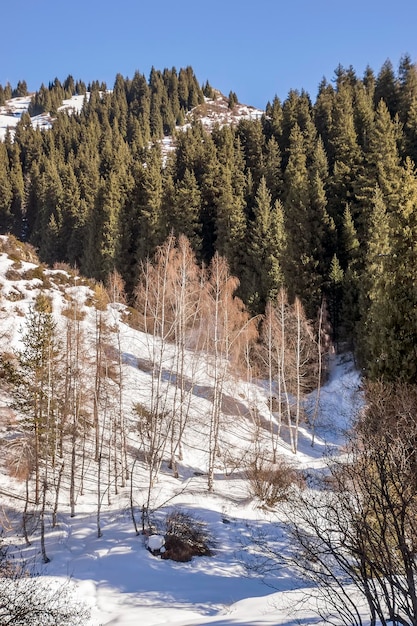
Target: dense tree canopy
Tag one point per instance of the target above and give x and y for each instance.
(319, 198)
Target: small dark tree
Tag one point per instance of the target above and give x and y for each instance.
(233, 101)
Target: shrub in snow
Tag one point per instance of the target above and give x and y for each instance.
(185, 537)
(271, 482)
(25, 598)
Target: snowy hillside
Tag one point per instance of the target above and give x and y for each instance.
(113, 573)
(12, 111)
(211, 112)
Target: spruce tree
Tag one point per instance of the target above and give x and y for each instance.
(6, 190)
(230, 222)
(266, 250)
(185, 218)
(375, 291)
(387, 88)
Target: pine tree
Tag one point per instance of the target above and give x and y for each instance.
(375, 290)
(399, 357)
(335, 294)
(273, 119)
(185, 218)
(266, 250)
(18, 189)
(273, 171)
(387, 88)
(407, 78)
(298, 263)
(35, 386)
(252, 140)
(346, 155)
(147, 199)
(101, 255)
(323, 114)
(6, 190)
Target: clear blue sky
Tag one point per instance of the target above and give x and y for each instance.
(257, 49)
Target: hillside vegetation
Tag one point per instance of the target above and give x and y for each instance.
(318, 198)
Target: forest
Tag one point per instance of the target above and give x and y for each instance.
(249, 253)
(317, 198)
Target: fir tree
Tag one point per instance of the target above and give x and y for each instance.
(6, 190)
(266, 250)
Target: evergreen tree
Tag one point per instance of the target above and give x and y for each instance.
(387, 88)
(323, 114)
(335, 294)
(147, 199)
(375, 292)
(186, 210)
(230, 222)
(398, 357)
(252, 140)
(48, 220)
(273, 171)
(272, 120)
(21, 90)
(296, 203)
(6, 190)
(364, 114)
(346, 156)
(35, 387)
(18, 188)
(266, 250)
(233, 101)
(407, 78)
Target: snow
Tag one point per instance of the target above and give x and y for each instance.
(115, 575)
(12, 111)
(212, 112)
(156, 542)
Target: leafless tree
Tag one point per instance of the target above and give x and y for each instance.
(360, 530)
(26, 599)
(228, 328)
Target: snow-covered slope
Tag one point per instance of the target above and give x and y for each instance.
(114, 574)
(213, 111)
(12, 111)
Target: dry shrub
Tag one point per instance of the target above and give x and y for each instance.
(17, 250)
(15, 295)
(271, 482)
(74, 313)
(131, 317)
(19, 458)
(64, 267)
(13, 274)
(186, 536)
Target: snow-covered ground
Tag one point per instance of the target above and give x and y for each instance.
(115, 575)
(12, 111)
(210, 113)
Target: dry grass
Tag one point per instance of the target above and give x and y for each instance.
(271, 482)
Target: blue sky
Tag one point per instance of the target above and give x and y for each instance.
(257, 49)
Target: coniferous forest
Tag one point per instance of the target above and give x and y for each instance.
(318, 198)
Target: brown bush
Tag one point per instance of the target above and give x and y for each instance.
(13, 274)
(17, 250)
(186, 536)
(271, 482)
(176, 549)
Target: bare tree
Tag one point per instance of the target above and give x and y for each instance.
(186, 305)
(117, 296)
(361, 528)
(152, 301)
(289, 356)
(26, 599)
(228, 328)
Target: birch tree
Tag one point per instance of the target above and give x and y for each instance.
(227, 329)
